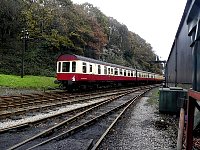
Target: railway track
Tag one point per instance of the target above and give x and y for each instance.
(88, 100)
(17, 105)
(67, 124)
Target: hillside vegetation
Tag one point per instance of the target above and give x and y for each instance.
(58, 27)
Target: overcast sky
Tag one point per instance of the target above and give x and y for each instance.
(156, 21)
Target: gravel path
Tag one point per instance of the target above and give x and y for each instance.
(143, 128)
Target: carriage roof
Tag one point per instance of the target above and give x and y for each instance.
(70, 57)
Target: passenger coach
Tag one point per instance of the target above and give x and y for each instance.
(75, 71)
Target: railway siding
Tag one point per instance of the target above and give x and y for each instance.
(109, 96)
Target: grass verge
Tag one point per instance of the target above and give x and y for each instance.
(153, 99)
(30, 82)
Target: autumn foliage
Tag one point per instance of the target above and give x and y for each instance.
(59, 26)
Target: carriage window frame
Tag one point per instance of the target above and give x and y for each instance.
(112, 70)
(59, 66)
(90, 68)
(116, 71)
(124, 72)
(131, 73)
(99, 69)
(84, 67)
(73, 66)
(66, 67)
(121, 72)
(105, 70)
(109, 71)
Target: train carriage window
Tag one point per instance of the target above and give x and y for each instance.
(128, 73)
(73, 66)
(124, 72)
(84, 68)
(121, 72)
(111, 70)
(59, 66)
(105, 70)
(131, 74)
(66, 66)
(108, 70)
(90, 68)
(116, 71)
(99, 69)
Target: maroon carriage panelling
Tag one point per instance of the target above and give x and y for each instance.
(92, 77)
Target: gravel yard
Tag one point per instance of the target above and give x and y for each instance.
(143, 127)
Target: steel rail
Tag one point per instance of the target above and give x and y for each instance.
(52, 105)
(49, 117)
(114, 122)
(69, 131)
(24, 100)
(64, 122)
(73, 130)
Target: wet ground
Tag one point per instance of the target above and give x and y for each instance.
(143, 128)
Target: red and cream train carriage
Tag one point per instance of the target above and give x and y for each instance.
(78, 71)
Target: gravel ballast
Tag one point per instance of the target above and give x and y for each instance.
(143, 127)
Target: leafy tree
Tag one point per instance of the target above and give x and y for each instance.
(59, 26)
